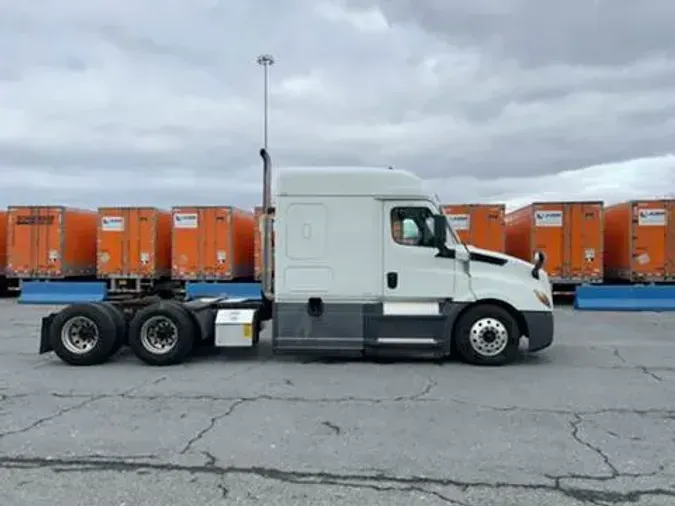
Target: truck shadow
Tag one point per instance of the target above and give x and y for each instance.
(264, 352)
(524, 359)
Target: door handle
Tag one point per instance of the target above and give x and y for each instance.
(392, 280)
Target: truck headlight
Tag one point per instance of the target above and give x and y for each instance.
(543, 298)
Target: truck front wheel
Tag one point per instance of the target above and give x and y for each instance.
(487, 335)
(162, 334)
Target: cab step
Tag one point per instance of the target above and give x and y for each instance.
(407, 347)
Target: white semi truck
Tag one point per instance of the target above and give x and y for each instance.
(338, 289)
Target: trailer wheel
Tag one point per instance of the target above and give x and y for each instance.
(162, 334)
(487, 335)
(120, 324)
(83, 334)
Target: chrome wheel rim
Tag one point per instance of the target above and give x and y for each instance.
(79, 335)
(159, 335)
(489, 337)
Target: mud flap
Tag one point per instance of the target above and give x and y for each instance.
(45, 345)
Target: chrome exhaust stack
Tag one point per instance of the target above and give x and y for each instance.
(267, 288)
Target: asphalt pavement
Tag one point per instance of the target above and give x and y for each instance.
(589, 421)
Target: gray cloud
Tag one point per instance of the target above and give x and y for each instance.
(539, 32)
(160, 100)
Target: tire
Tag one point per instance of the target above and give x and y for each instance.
(120, 324)
(70, 334)
(498, 343)
(169, 318)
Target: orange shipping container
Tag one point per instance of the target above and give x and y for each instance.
(569, 233)
(640, 241)
(50, 242)
(258, 245)
(3, 242)
(134, 242)
(212, 243)
(481, 225)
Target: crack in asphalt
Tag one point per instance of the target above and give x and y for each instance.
(330, 425)
(48, 418)
(225, 492)
(604, 497)
(212, 423)
(649, 371)
(75, 407)
(431, 384)
(418, 397)
(242, 400)
(379, 481)
(664, 412)
(576, 427)
(618, 355)
(238, 402)
(263, 397)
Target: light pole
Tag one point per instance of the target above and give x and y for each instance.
(266, 60)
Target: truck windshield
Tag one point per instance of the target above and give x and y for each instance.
(452, 236)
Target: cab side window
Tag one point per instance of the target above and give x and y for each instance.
(412, 226)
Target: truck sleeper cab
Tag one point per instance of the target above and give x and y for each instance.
(365, 259)
(365, 262)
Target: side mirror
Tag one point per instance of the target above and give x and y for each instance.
(440, 230)
(539, 259)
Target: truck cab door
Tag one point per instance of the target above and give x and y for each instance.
(418, 284)
(414, 276)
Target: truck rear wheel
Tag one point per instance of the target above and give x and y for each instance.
(120, 324)
(487, 335)
(83, 334)
(162, 334)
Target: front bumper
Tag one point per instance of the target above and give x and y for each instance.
(539, 329)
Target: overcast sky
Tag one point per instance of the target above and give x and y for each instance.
(137, 102)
